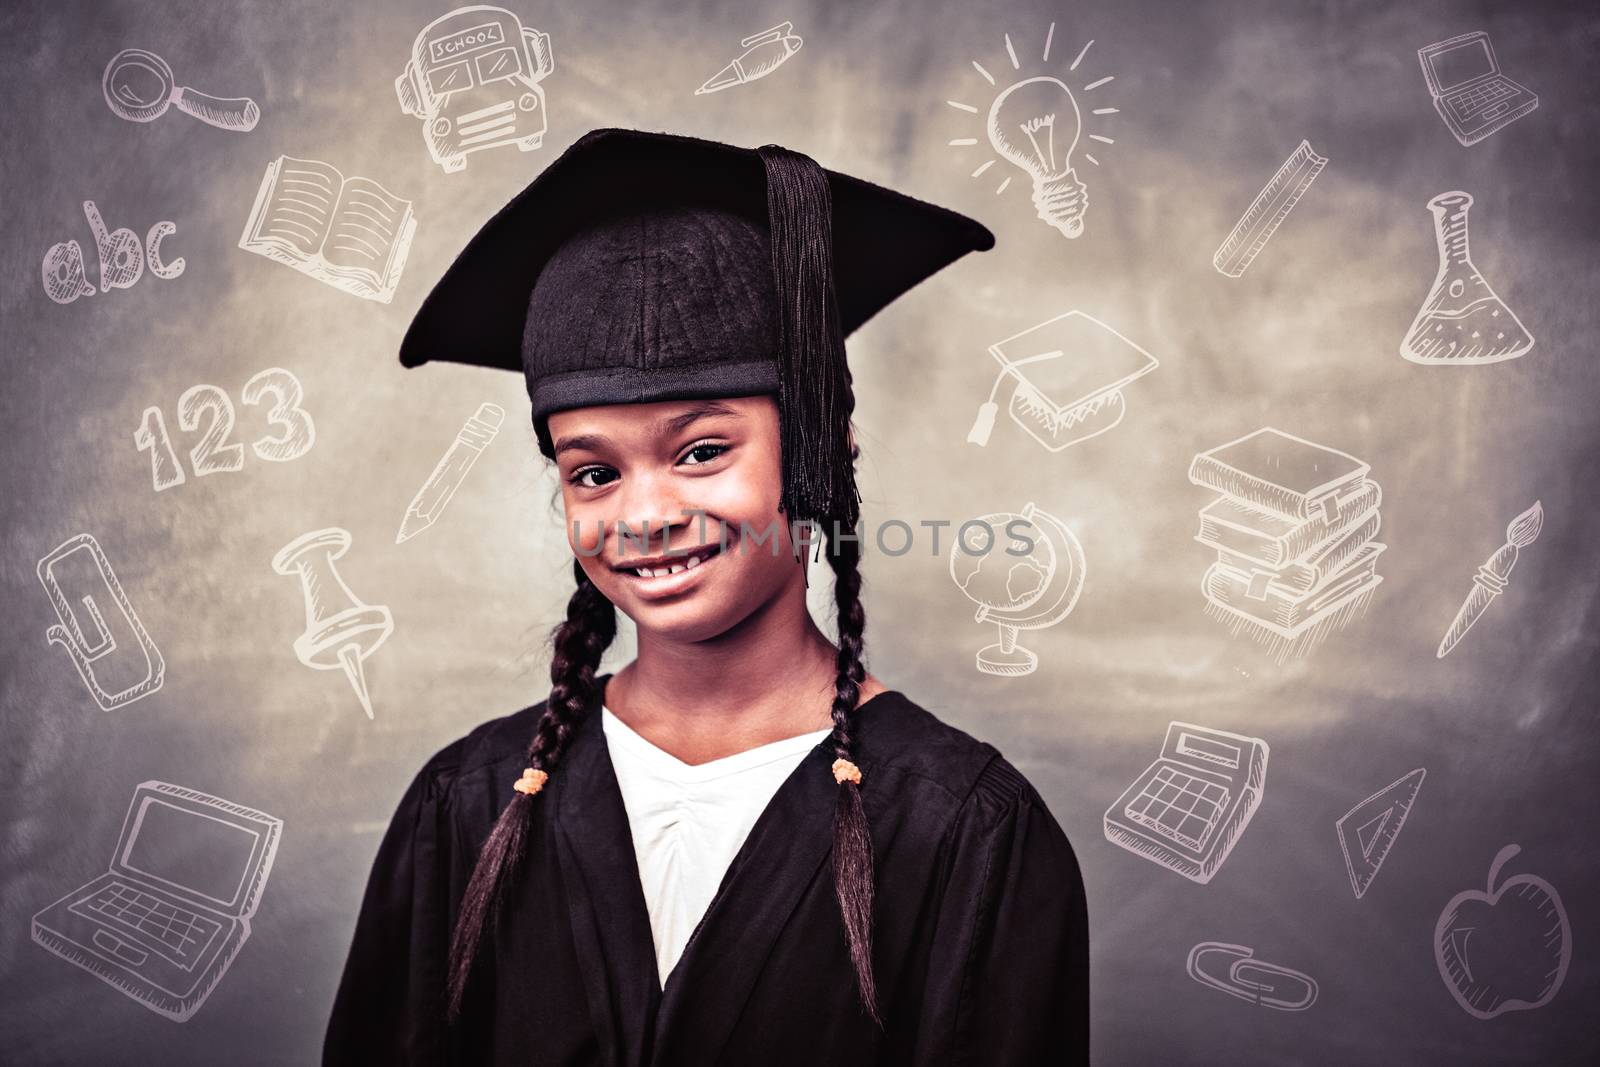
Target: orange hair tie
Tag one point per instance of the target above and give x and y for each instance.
(845, 771)
(531, 781)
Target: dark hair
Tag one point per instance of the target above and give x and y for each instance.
(579, 642)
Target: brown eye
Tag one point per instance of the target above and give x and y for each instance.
(604, 474)
(706, 452)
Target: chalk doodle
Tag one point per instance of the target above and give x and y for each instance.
(763, 53)
(66, 570)
(139, 86)
(1293, 530)
(123, 259)
(352, 234)
(1017, 591)
(1035, 124)
(168, 917)
(1190, 807)
(341, 631)
(473, 79)
(210, 405)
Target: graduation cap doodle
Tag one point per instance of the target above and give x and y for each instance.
(1069, 372)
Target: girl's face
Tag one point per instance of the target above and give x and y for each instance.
(704, 478)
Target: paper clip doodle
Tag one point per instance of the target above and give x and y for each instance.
(138, 87)
(170, 913)
(1189, 808)
(1234, 970)
(764, 53)
(473, 80)
(341, 631)
(91, 645)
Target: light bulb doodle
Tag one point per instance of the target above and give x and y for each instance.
(1035, 124)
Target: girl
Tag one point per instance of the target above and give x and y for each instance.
(742, 848)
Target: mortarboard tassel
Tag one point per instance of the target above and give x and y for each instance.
(814, 396)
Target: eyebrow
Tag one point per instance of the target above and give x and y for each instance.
(666, 426)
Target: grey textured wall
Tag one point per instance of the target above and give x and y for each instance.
(1211, 97)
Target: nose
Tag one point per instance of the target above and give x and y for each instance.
(653, 515)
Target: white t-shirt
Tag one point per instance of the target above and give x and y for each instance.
(688, 821)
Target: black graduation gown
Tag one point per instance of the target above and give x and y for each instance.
(980, 936)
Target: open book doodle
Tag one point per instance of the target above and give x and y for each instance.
(350, 233)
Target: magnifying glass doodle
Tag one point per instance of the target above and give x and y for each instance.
(139, 85)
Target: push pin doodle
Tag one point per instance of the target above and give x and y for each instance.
(340, 631)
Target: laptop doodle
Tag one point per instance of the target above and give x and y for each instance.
(1469, 92)
(167, 918)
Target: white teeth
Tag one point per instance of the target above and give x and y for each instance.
(694, 561)
(675, 568)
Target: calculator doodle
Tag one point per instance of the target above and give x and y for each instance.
(1191, 805)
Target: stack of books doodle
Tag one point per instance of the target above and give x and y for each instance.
(1294, 531)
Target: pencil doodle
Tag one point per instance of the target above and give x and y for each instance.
(476, 434)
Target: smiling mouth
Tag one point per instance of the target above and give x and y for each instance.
(683, 562)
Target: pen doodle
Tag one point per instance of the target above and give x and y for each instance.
(763, 53)
(1461, 321)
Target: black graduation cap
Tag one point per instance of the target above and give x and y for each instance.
(649, 266)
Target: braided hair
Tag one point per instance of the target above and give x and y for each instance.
(579, 642)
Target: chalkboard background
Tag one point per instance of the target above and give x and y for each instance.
(1210, 99)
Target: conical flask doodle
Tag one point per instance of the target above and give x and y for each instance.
(340, 631)
(1462, 321)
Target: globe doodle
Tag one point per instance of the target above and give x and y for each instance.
(1018, 592)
